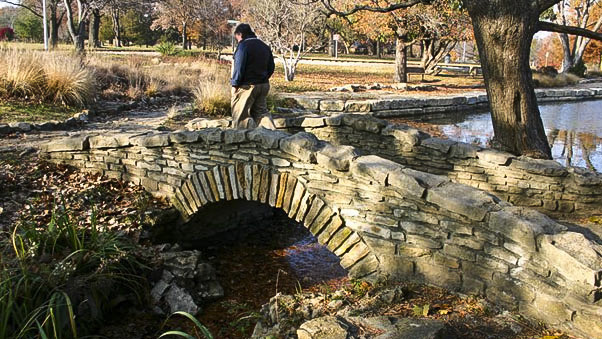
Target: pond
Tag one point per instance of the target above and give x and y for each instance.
(574, 131)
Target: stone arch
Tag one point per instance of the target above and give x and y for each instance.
(282, 190)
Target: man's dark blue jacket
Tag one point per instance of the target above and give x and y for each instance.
(253, 63)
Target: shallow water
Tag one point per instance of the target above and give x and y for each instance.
(255, 262)
(574, 131)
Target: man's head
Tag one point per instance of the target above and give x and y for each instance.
(243, 31)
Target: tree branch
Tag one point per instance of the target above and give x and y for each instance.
(18, 4)
(552, 27)
(544, 5)
(376, 9)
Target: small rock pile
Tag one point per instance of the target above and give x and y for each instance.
(314, 316)
(186, 282)
(377, 87)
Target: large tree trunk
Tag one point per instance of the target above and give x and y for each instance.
(504, 31)
(567, 60)
(184, 36)
(54, 25)
(401, 62)
(94, 30)
(81, 37)
(116, 27)
(76, 36)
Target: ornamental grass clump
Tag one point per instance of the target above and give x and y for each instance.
(58, 280)
(57, 78)
(212, 93)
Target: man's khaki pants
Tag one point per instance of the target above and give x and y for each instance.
(250, 108)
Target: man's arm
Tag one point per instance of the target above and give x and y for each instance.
(240, 60)
(271, 65)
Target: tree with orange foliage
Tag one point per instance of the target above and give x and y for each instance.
(580, 13)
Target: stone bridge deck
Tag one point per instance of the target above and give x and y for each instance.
(383, 219)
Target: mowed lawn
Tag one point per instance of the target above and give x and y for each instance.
(324, 77)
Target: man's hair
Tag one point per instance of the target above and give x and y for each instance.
(244, 30)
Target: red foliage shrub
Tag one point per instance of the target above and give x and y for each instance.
(6, 34)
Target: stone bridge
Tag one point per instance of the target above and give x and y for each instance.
(383, 219)
(544, 185)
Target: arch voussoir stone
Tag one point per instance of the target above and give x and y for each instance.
(382, 219)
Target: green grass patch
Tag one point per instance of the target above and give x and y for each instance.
(32, 112)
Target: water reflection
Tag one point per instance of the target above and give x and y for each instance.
(574, 131)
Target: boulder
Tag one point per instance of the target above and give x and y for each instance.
(323, 328)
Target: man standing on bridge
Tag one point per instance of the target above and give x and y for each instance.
(251, 71)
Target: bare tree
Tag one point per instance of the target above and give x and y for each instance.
(285, 26)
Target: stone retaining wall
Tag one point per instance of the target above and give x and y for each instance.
(545, 185)
(389, 105)
(382, 219)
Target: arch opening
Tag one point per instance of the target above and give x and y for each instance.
(256, 251)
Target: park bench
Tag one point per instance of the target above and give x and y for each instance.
(473, 69)
(415, 70)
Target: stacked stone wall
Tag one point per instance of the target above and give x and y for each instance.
(388, 105)
(544, 185)
(384, 220)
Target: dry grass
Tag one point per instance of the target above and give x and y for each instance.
(68, 82)
(212, 93)
(560, 80)
(56, 78)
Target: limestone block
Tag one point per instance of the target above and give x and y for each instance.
(336, 158)
(426, 179)
(151, 140)
(538, 166)
(373, 167)
(267, 138)
(464, 200)
(380, 105)
(407, 183)
(110, 141)
(235, 136)
(362, 122)
(185, 137)
(358, 106)
(332, 105)
(211, 135)
(441, 145)
(313, 122)
(323, 328)
(574, 256)
(438, 275)
(67, 144)
(405, 134)
(307, 102)
(301, 145)
(463, 150)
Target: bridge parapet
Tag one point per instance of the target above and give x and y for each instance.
(384, 220)
(544, 185)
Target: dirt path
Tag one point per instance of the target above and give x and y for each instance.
(137, 120)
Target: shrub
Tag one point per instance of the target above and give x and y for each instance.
(560, 80)
(47, 269)
(579, 69)
(167, 48)
(6, 34)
